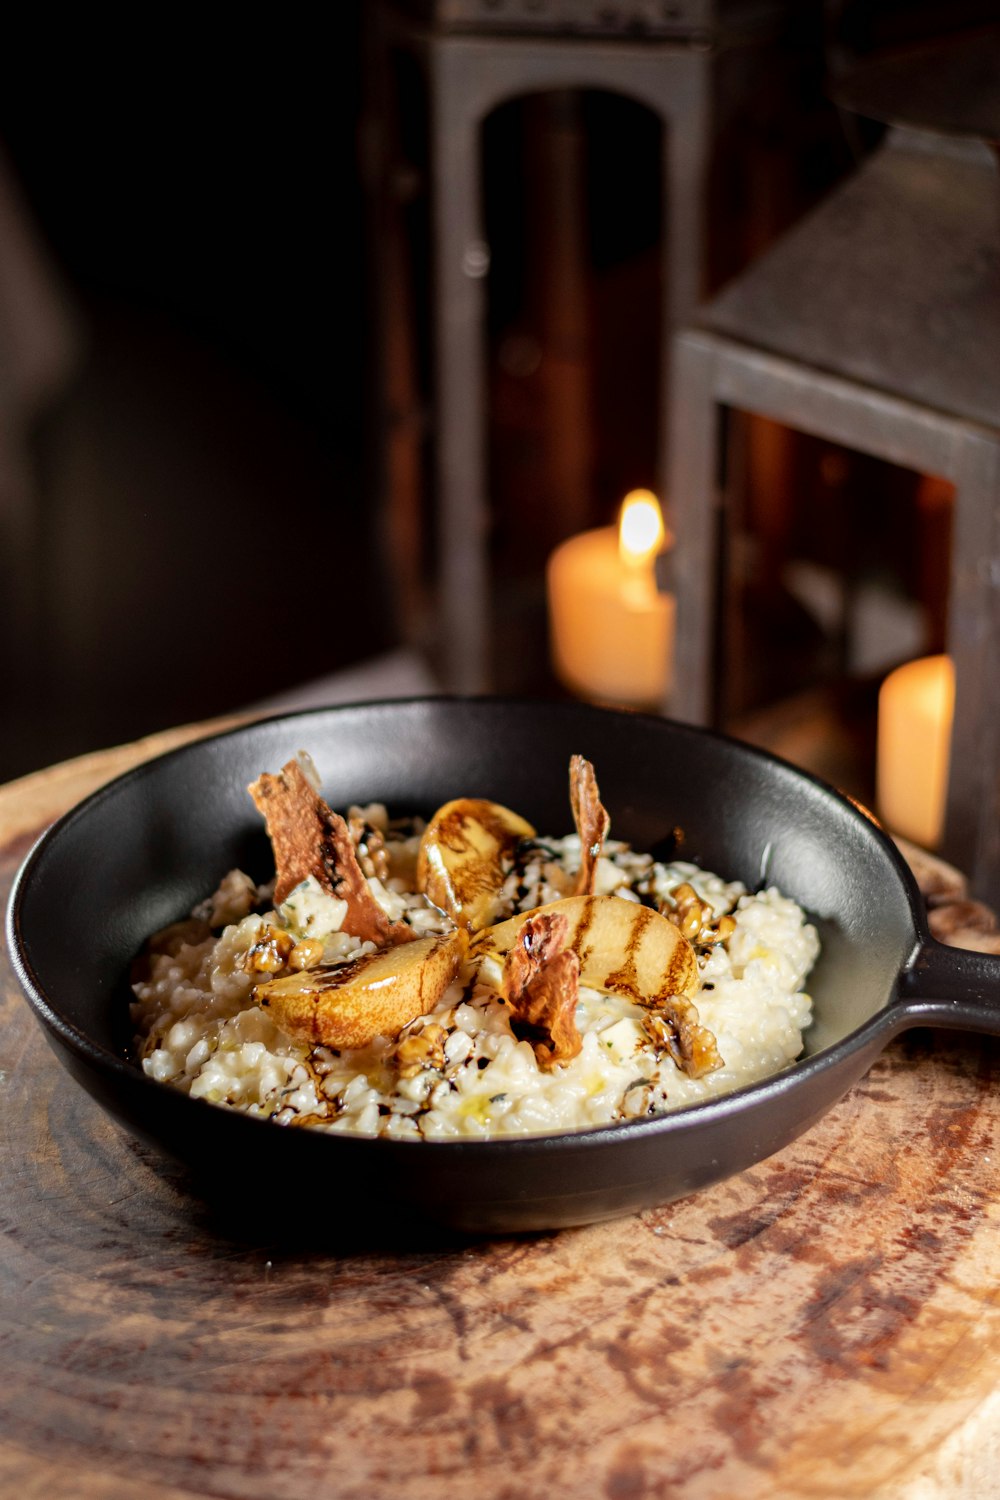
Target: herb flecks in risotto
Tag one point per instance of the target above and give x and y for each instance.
(468, 977)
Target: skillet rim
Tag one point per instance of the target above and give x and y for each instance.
(872, 1034)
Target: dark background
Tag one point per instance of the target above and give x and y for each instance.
(201, 476)
(209, 527)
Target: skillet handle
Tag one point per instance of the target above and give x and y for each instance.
(956, 987)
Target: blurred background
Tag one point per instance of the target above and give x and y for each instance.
(215, 371)
(192, 471)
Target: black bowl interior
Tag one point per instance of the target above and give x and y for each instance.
(141, 852)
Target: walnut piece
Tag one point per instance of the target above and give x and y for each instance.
(591, 819)
(422, 1050)
(372, 854)
(675, 1027)
(541, 984)
(695, 918)
(309, 839)
(269, 951)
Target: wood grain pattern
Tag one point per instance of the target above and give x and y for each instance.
(825, 1325)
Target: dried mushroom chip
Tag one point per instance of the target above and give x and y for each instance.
(591, 819)
(541, 983)
(309, 839)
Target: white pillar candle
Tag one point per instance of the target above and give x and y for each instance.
(611, 631)
(915, 711)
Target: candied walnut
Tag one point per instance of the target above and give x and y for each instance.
(688, 912)
(591, 819)
(674, 1025)
(424, 1050)
(269, 952)
(370, 845)
(695, 917)
(307, 953)
(541, 983)
(309, 839)
(723, 929)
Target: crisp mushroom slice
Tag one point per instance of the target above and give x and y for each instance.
(349, 1005)
(541, 984)
(309, 839)
(591, 819)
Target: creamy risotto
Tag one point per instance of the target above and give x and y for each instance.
(469, 1067)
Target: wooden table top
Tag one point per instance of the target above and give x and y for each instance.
(825, 1325)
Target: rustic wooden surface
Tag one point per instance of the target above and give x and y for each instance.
(825, 1325)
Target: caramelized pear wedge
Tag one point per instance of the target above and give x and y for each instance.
(349, 1005)
(460, 865)
(624, 949)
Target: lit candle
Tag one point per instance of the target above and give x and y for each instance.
(612, 632)
(915, 710)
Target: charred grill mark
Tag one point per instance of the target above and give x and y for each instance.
(625, 980)
(584, 949)
(452, 828)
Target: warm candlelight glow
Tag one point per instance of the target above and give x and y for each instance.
(640, 528)
(915, 711)
(612, 631)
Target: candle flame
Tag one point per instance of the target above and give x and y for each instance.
(640, 528)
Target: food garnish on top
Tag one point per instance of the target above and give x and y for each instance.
(535, 960)
(308, 838)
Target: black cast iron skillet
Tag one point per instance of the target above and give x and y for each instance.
(139, 853)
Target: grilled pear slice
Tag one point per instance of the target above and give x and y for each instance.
(460, 864)
(624, 948)
(349, 1005)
